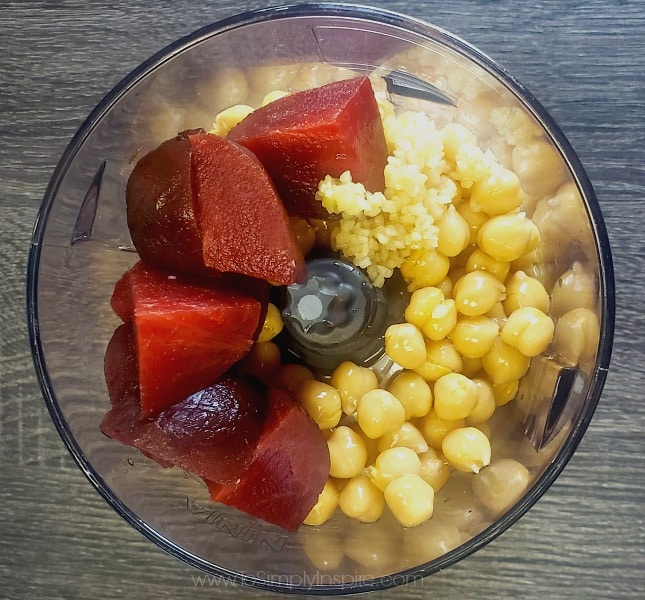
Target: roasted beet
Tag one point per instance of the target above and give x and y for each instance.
(305, 136)
(187, 332)
(160, 209)
(120, 365)
(203, 205)
(212, 433)
(245, 228)
(288, 470)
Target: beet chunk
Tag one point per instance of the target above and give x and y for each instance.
(305, 136)
(203, 205)
(245, 228)
(120, 367)
(212, 433)
(187, 332)
(288, 470)
(160, 211)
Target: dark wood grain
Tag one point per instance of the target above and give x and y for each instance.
(585, 61)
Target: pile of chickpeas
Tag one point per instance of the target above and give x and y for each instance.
(394, 444)
(462, 350)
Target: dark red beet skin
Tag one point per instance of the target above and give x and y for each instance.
(288, 470)
(161, 217)
(212, 433)
(305, 136)
(203, 205)
(187, 332)
(120, 365)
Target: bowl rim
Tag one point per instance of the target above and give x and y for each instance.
(529, 102)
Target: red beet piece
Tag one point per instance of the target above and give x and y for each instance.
(250, 286)
(212, 433)
(120, 366)
(160, 211)
(288, 471)
(187, 332)
(323, 131)
(245, 228)
(203, 205)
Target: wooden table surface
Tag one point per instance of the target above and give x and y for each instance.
(585, 61)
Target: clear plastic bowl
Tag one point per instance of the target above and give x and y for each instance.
(79, 250)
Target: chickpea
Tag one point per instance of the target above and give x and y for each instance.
(347, 453)
(229, 118)
(313, 75)
(455, 396)
(507, 237)
(371, 445)
(361, 499)
(477, 292)
(497, 194)
(376, 549)
(392, 463)
(434, 468)
(323, 231)
(379, 412)
(467, 449)
(539, 167)
(562, 217)
(412, 391)
(229, 87)
(425, 268)
(505, 392)
(529, 330)
(405, 346)
(474, 336)
(445, 285)
(486, 405)
(480, 261)
(441, 358)
(352, 382)
(454, 233)
(303, 233)
(406, 436)
(431, 539)
(576, 335)
(262, 360)
(532, 263)
(323, 547)
(504, 363)
(273, 96)
(325, 506)
(431, 313)
(455, 503)
(272, 325)
(522, 290)
(497, 314)
(322, 402)
(272, 77)
(291, 377)
(441, 321)
(410, 499)
(422, 302)
(575, 288)
(435, 429)
(455, 136)
(471, 367)
(500, 484)
(475, 220)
